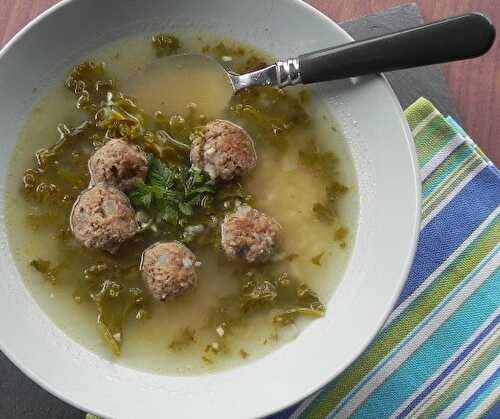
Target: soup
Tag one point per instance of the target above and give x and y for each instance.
(234, 306)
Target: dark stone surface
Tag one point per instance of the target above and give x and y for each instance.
(23, 399)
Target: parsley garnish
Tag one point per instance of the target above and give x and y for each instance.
(172, 191)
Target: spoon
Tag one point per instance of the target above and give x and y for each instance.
(201, 79)
(452, 39)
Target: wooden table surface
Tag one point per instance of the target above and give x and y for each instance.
(474, 84)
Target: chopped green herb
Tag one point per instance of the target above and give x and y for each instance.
(323, 163)
(207, 360)
(307, 303)
(258, 293)
(283, 280)
(291, 256)
(324, 213)
(341, 234)
(317, 259)
(289, 316)
(213, 348)
(179, 129)
(304, 293)
(327, 212)
(221, 50)
(334, 191)
(46, 269)
(165, 44)
(244, 354)
(185, 338)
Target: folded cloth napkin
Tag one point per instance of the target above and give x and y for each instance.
(438, 353)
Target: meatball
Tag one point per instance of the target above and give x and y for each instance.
(168, 269)
(102, 218)
(223, 151)
(118, 163)
(250, 234)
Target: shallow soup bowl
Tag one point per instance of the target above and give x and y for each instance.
(379, 139)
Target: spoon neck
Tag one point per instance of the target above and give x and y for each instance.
(288, 72)
(281, 74)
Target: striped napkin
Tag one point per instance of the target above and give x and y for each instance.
(438, 354)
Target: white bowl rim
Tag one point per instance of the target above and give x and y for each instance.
(407, 264)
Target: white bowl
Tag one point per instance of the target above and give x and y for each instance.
(389, 188)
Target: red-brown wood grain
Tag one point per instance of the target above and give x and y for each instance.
(474, 84)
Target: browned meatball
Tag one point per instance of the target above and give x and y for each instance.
(224, 151)
(102, 218)
(168, 269)
(250, 234)
(118, 163)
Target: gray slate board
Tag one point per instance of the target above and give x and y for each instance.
(22, 399)
(410, 84)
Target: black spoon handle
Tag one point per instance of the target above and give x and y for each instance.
(452, 39)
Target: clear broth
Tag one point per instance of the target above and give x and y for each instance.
(281, 185)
